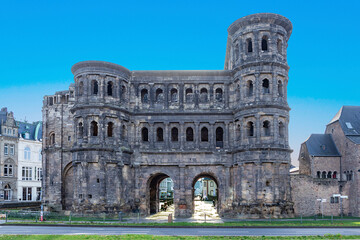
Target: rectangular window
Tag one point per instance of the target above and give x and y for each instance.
(27, 196)
(12, 151)
(27, 173)
(39, 174)
(6, 149)
(38, 193)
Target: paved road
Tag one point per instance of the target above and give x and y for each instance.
(28, 230)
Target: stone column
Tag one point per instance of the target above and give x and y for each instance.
(182, 135)
(151, 95)
(152, 135)
(166, 135)
(274, 90)
(276, 128)
(226, 95)
(181, 96)
(257, 87)
(212, 135)
(258, 128)
(196, 95)
(196, 135)
(226, 135)
(166, 95)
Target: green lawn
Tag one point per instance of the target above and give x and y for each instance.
(146, 237)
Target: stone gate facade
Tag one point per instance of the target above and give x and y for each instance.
(115, 134)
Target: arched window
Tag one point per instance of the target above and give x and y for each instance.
(250, 88)
(159, 96)
(144, 96)
(27, 153)
(94, 87)
(81, 88)
(123, 92)
(51, 101)
(264, 43)
(110, 88)
(318, 174)
(350, 175)
(81, 130)
(110, 128)
(281, 129)
(189, 94)
(94, 129)
(219, 136)
(189, 134)
(174, 95)
(249, 45)
(280, 88)
(203, 95)
(238, 132)
(250, 129)
(266, 86)
(279, 46)
(123, 133)
(7, 192)
(145, 134)
(219, 94)
(204, 134)
(323, 175)
(266, 127)
(334, 174)
(174, 134)
(236, 52)
(159, 134)
(329, 175)
(52, 138)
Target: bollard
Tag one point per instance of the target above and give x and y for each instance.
(120, 216)
(205, 217)
(6, 217)
(332, 219)
(170, 218)
(70, 218)
(104, 217)
(138, 217)
(301, 218)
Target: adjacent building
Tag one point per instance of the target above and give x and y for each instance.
(329, 167)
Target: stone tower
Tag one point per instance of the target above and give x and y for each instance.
(256, 55)
(116, 134)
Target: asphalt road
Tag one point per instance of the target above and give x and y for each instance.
(64, 230)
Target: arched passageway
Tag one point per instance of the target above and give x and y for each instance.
(161, 193)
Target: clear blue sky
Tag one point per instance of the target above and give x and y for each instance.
(41, 40)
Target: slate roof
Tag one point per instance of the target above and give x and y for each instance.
(34, 130)
(322, 145)
(349, 119)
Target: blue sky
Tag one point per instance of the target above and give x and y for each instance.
(41, 40)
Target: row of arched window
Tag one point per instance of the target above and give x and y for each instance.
(95, 89)
(266, 129)
(174, 96)
(94, 130)
(265, 86)
(325, 174)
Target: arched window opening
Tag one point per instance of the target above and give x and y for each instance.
(203, 95)
(174, 134)
(249, 45)
(81, 130)
(189, 134)
(52, 138)
(174, 95)
(110, 128)
(264, 43)
(250, 88)
(204, 134)
(123, 133)
(250, 129)
(323, 175)
(144, 96)
(219, 137)
(159, 95)
(145, 134)
(280, 88)
(159, 134)
(266, 126)
(189, 95)
(27, 153)
(350, 175)
(334, 174)
(318, 174)
(238, 132)
(94, 129)
(123, 92)
(7, 193)
(266, 85)
(329, 175)
(51, 101)
(94, 87)
(281, 129)
(279, 46)
(110, 88)
(81, 88)
(219, 94)
(236, 52)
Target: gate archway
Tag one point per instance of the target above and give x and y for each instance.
(155, 193)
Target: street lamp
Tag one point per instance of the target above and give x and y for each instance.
(321, 200)
(341, 198)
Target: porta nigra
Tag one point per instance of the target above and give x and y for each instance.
(115, 133)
